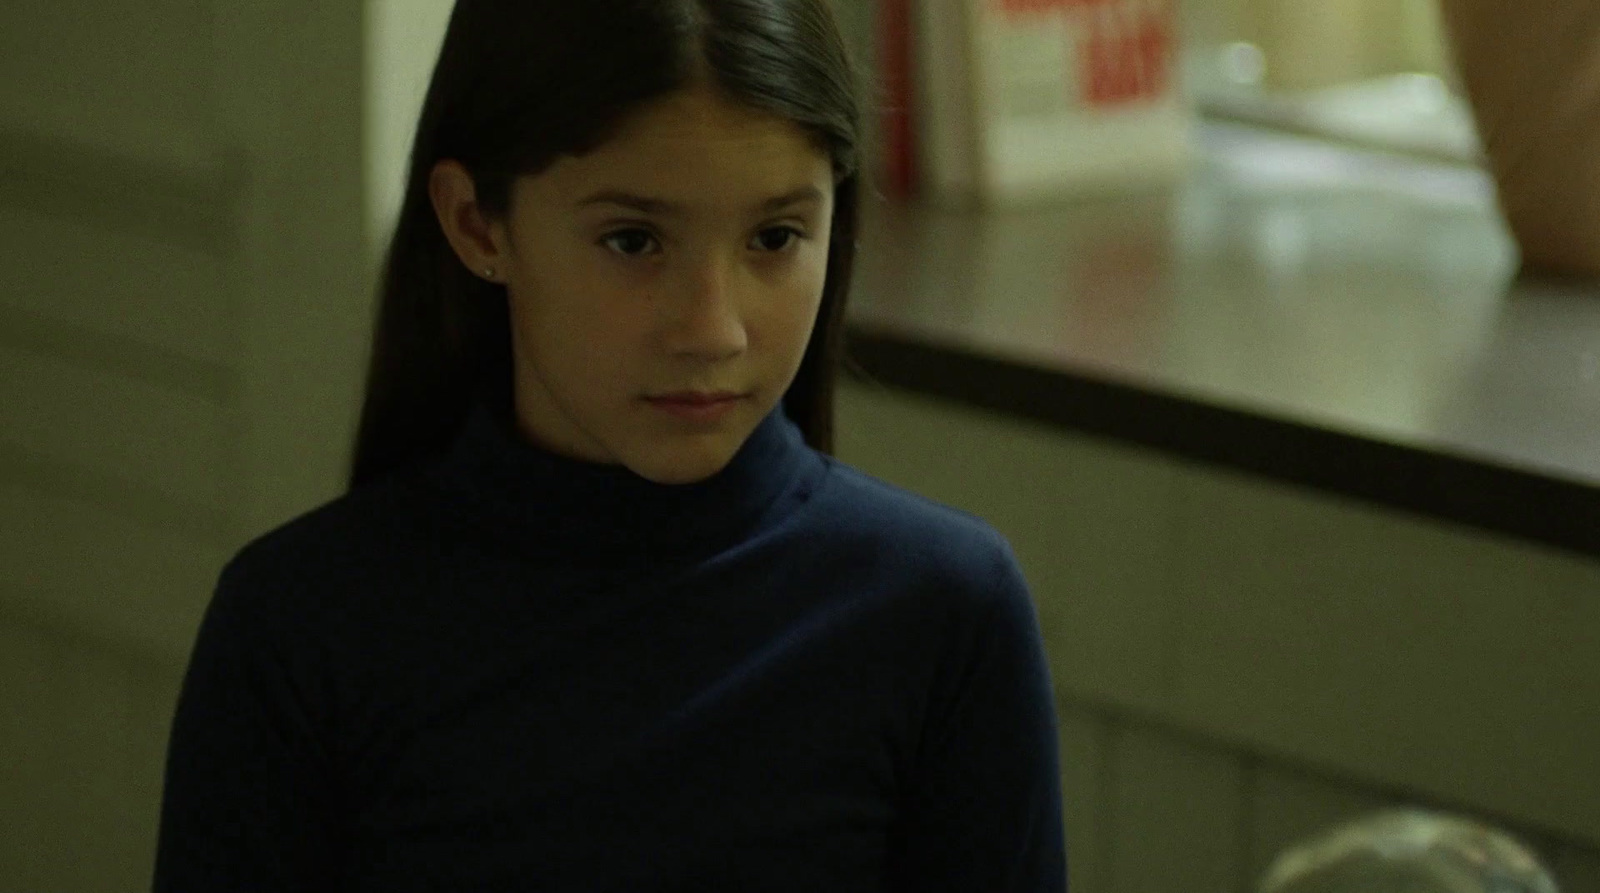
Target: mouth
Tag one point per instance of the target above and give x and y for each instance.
(698, 398)
(698, 406)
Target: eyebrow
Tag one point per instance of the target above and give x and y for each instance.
(648, 205)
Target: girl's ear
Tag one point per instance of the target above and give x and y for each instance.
(480, 243)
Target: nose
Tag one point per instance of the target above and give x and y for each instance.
(705, 320)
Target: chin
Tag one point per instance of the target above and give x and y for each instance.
(686, 467)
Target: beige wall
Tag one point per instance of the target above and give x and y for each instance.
(182, 296)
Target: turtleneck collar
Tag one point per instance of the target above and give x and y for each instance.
(579, 515)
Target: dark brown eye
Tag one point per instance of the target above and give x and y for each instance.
(789, 234)
(628, 239)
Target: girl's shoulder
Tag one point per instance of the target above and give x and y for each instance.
(342, 544)
(864, 511)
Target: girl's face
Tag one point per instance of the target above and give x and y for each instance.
(686, 255)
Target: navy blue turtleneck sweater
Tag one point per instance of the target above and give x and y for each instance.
(513, 671)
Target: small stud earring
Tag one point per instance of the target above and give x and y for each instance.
(488, 272)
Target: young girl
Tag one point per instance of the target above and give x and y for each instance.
(599, 611)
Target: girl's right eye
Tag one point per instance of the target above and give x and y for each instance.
(627, 237)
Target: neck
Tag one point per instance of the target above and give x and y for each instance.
(572, 513)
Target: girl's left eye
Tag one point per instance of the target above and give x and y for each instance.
(787, 231)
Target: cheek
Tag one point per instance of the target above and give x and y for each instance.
(785, 326)
(564, 332)
(809, 299)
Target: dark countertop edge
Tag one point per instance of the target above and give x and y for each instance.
(1503, 501)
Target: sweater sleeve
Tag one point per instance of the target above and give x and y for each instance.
(247, 804)
(983, 812)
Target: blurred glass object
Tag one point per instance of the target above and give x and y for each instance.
(1369, 73)
(1244, 63)
(1431, 93)
(1409, 851)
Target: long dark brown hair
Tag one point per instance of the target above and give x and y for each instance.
(520, 83)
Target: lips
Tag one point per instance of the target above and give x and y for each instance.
(697, 398)
(698, 407)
